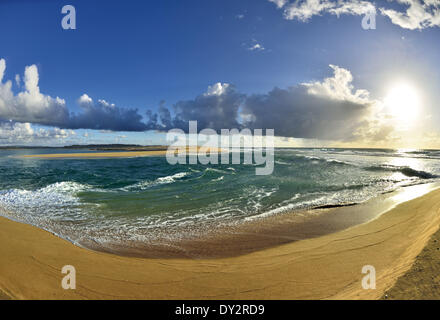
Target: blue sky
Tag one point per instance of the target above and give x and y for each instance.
(135, 54)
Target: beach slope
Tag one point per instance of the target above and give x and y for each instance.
(328, 267)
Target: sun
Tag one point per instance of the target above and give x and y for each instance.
(403, 103)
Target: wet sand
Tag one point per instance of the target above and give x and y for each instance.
(261, 233)
(323, 267)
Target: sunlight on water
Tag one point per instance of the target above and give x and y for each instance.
(414, 192)
(413, 163)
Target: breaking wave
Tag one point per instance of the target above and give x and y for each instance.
(407, 171)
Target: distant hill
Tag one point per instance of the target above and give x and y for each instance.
(97, 147)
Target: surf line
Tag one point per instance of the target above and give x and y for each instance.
(209, 146)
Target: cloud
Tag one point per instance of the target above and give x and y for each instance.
(101, 115)
(419, 14)
(279, 3)
(217, 109)
(329, 110)
(14, 132)
(306, 9)
(339, 87)
(32, 106)
(256, 47)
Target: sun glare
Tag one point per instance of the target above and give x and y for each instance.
(403, 103)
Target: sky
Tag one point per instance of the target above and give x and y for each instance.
(132, 70)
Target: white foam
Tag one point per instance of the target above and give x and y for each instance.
(146, 184)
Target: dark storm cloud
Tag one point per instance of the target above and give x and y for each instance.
(295, 113)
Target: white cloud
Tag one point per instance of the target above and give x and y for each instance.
(353, 7)
(239, 16)
(338, 87)
(16, 133)
(306, 9)
(217, 89)
(30, 105)
(2, 69)
(35, 107)
(279, 3)
(85, 99)
(256, 47)
(417, 14)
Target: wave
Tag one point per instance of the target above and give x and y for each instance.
(282, 163)
(171, 179)
(146, 184)
(331, 161)
(407, 171)
(415, 154)
(283, 160)
(55, 200)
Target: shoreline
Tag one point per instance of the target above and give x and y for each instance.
(246, 237)
(325, 267)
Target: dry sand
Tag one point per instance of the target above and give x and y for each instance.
(327, 267)
(422, 281)
(122, 154)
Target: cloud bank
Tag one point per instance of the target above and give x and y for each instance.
(416, 14)
(331, 109)
(32, 106)
(14, 132)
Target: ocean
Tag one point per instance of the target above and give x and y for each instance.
(144, 199)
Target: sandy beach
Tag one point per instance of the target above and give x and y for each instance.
(326, 267)
(122, 154)
(98, 155)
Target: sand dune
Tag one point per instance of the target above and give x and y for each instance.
(328, 267)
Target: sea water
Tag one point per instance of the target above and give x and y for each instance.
(114, 200)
